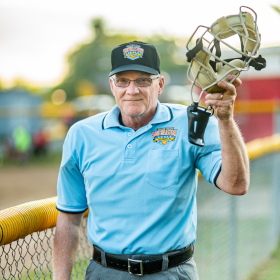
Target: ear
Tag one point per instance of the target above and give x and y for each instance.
(161, 85)
(112, 86)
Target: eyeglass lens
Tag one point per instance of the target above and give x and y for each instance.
(141, 82)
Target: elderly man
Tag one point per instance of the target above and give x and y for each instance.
(136, 171)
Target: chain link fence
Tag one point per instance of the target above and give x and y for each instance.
(28, 258)
(31, 257)
(235, 234)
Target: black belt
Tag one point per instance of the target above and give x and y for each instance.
(146, 265)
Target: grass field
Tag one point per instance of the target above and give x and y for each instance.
(48, 159)
(269, 270)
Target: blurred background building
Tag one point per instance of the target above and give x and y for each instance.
(19, 107)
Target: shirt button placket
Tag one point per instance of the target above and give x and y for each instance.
(130, 147)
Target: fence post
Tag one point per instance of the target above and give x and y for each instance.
(275, 198)
(232, 237)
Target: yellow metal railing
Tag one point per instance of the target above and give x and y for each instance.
(19, 221)
(262, 146)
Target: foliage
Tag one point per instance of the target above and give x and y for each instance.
(276, 8)
(89, 65)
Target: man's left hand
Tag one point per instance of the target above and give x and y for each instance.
(223, 102)
(234, 177)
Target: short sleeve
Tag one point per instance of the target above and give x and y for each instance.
(209, 157)
(71, 194)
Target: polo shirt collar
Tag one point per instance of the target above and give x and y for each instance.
(163, 114)
(112, 118)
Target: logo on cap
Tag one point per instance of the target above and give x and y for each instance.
(165, 135)
(133, 52)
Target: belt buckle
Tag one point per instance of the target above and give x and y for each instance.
(138, 262)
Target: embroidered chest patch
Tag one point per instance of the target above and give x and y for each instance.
(164, 136)
(133, 52)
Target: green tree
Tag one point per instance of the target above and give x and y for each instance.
(276, 8)
(90, 63)
(172, 58)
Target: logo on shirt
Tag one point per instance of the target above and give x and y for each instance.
(133, 52)
(164, 136)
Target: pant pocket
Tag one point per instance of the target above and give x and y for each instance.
(188, 270)
(92, 271)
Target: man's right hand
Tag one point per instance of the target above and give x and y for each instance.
(66, 242)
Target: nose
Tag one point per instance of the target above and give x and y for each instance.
(132, 88)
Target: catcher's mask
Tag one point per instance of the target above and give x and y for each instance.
(207, 68)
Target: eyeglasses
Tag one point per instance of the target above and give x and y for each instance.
(140, 82)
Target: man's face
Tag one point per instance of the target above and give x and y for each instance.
(136, 101)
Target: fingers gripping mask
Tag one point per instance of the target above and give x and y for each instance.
(208, 68)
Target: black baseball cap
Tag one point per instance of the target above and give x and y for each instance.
(136, 56)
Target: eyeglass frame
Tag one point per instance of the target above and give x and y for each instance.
(136, 82)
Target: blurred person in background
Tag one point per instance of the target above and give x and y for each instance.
(40, 143)
(9, 147)
(22, 143)
(136, 171)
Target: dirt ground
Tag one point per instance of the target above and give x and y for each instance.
(24, 184)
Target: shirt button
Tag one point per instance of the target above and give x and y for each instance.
(129, 146)
(129, 134)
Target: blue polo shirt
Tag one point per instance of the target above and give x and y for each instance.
(140, 186)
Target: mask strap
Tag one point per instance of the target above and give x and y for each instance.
(192, 53)
(218, 53)
(258, 63)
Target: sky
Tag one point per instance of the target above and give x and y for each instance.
(37, 35)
